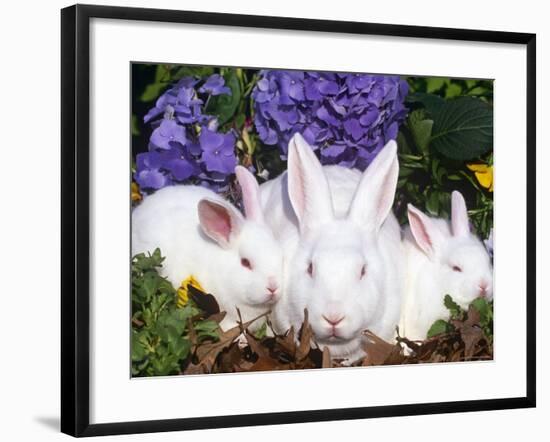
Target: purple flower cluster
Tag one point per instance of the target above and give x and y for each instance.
(186, 146)
(348, 118)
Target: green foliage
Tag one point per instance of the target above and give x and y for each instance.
(483, 307)
(225, 106)
(431, 102)
(161, 335)
(166, 74)
(463, 129)
(135, 125)
(421, 127)
(453, 307)
(448, 126)
(261, 332)
(162, 80)
(439, 327)
(178, 72)
(451, 87)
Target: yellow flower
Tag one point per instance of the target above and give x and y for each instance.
(483, 173)
(183, 290)
(136, 195)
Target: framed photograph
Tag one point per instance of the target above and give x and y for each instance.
(304, 220)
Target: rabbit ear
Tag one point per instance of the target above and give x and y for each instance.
(308, 187)
(219, 221)
(251, 194)
(459, 216)
(426, 234)
(374, 196)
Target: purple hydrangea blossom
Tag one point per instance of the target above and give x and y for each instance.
(347, 117)
(218, 151)
(185, 145)
(169, 133)
(215, 85)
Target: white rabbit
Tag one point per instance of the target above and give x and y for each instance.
(236, 259)
(442, 258)
(342, 250)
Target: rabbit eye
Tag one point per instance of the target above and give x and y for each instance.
(246, 263)
(310, 269)
(363, 271)
(457, 269)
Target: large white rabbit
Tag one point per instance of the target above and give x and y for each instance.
(442, 258)
(237, 259)
(342, 250)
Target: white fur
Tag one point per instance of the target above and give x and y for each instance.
(169, 219)
(432, 248)
(321, 216)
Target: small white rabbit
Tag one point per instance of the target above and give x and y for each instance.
(236, 259)
(342, 250)
(442, 258)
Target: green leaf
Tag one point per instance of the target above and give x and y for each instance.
(431, 102)
(138, 350)
(463, 129)
(432, 204)
(452, 306)
(454, 177)
(206, 326)
(405, 171)
(439, 327)
(207, 329)
(403, 143)
(478, 91)
(152, 91)
(261, 332)
(453, 90)
(421, 129)
(162, 73)
(149, 284)
(162, 78)
(435, 83)
(180, 348)
(482, 306)
(192, 71)
(240, 120)
(135, 126)
(224, 106)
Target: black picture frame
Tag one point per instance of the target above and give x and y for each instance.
(75, 213)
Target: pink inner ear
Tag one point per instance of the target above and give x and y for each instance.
(216, 221)
(420, 232)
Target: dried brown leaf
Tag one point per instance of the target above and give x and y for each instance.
(286, 344)
(230, 359)
(256, 346)
(380, 352)
(207, 353)
(268, 364)
(204, 301)
(217, 317)
(306, 335)
(327, 363)
(195, 369)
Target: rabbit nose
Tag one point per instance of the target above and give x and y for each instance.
(272, 285)
(334, 320)
(483, 285)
